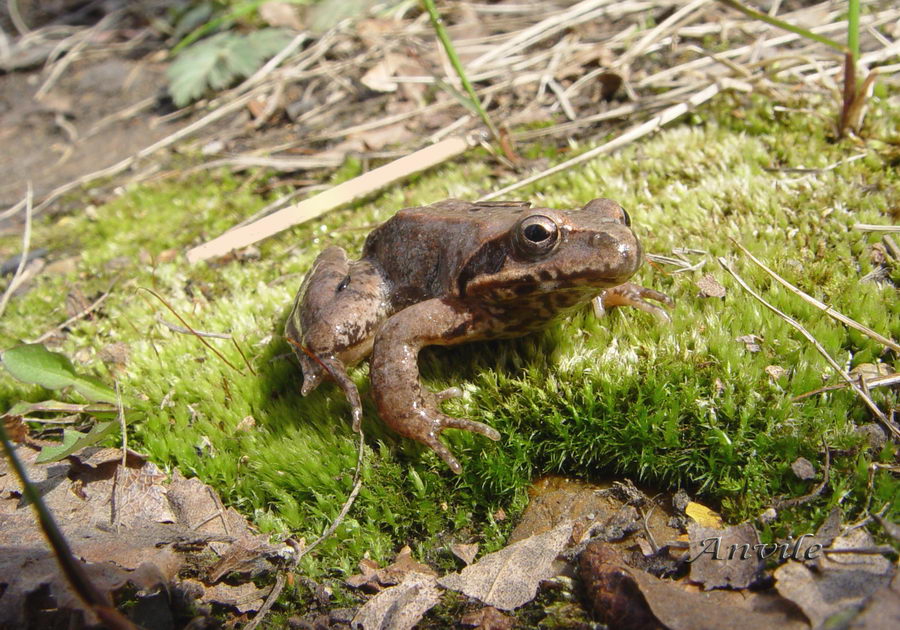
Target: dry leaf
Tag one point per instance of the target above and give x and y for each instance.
(775, 372)
(373, 578)
(488, 618)
(841, 581)
(631, 599)
(710, 287)
(281, 14)
(244, 597)
(803, 469)
(703, 515)
(882, 610)
(509, 578)
(399, 607)
(751, 342)
(724, 557)
(126, 524)
(464, 552)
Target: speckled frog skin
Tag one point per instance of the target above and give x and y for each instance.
(451, 273)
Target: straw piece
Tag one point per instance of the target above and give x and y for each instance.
(332, 198)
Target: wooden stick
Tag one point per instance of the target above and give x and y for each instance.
(632, 134)
(332, 198)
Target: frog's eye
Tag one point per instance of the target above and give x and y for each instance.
(626, 218)
(536, 236)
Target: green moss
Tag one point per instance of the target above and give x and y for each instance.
(680, 405)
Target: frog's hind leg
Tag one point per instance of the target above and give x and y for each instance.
(404, 405)
(333, 320)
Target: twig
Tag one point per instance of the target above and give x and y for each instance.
(87, 311)
(871, 227)
(191, 330)
(72, 568)
(338, 195)
(267, 605)
(784, 25)
(870, 551)
(818, 346)
(881, 381)
(16, 17)
(357, 484)
(26, 243)
(890, 343)
(279, 581)
(670, 23)
(60, 66)
(632, 134)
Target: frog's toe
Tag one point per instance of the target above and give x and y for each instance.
(443, 452)
(447, 394)
(629, 294)
(449, 422)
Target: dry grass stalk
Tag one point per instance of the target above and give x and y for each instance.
(23, 260)
(634, 133)
(819, 347)
(828, 310)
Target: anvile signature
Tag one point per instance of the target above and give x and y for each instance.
(789, 549)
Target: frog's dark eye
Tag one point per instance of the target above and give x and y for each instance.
(626, 218)
(536, 236)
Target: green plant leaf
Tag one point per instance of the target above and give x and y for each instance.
(74, 441)
(218, 61)
(33, 363)
(55, 406)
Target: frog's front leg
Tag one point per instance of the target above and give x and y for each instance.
(402, 403)
(629, 294)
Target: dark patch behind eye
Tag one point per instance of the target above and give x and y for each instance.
(488, 260)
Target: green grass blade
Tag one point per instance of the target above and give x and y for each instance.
(768, 19)
(438, 24)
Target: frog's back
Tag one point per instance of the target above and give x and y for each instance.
(421, 251)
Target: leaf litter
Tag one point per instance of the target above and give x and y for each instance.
(128, 523)
(638, 577)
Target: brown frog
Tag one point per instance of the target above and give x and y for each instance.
(450, 273)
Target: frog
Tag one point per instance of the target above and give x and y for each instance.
(449, 273)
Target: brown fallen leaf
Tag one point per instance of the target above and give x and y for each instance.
(724, 557)
(127, 524)
(882, 610)
(465, 552)
(373, 578)
(244, 597)
(838, 583)
(399, 607)
(611, 590)
(633, 599)
(509, 578)
(488, 618)
(710, 287)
